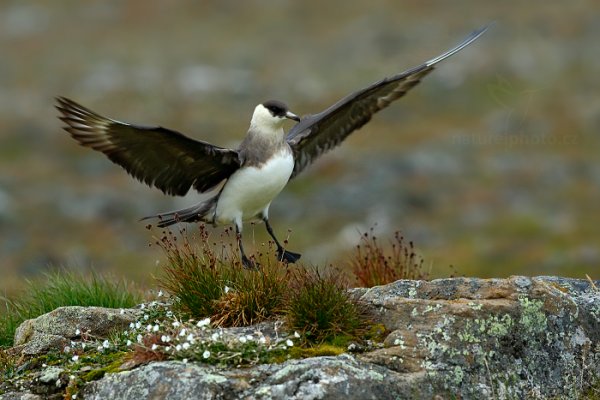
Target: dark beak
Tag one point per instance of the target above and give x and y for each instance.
(291, 115)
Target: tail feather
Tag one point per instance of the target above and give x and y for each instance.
(199, 212)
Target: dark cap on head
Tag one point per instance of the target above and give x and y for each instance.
(276, 107)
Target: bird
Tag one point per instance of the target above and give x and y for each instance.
(244, 181)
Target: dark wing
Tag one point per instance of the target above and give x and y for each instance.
(156, 156)
(316, 134)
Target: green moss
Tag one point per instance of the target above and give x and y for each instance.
(316, 351)
(376, 332)
(593, 392)
(98, 373)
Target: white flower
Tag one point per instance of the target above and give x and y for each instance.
(128, 343)
(186, 346)
(215, 336)
(155, 328)
(289, 343)
(262, 340)
(164, 338)
(83, 346)
(249, 337)
(74, 396)
(122, 311)
(154, 346)
(175, 324)
(190, 338)
(203, 322)
(296, 334)
(149, 327)
(75, 357)
(206, 354)
(131, 325)
(100, 349)
(146, 316)
(139, 338)
(183, 332)
(160, 293)
(44, 365)
(138, 325)
(178, 347)
(226, 289)
(77, 332)
(106, 344)
(67, 349)
(142, 306)
(185, 360)
(243, 339)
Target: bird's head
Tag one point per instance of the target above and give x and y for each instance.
(271, 115)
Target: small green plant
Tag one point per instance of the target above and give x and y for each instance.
(372, 265)
(63, 288)
(8, 364)
(320, 306)
(208, 280)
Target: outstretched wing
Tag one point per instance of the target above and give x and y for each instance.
(316, 134)
(156, 156)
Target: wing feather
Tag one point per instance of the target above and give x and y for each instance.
(157, 156)
(318, 133)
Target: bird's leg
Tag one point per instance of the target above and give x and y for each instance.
(282, 254)
(246, 262)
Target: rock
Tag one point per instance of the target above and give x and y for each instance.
(492, 338)
(464, 338)
(51, 374)
(19, 396)
(313, 378)
(54, 330)
(470, 338)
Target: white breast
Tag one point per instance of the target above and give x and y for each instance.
(250, 190)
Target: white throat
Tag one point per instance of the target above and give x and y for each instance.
(264, 123)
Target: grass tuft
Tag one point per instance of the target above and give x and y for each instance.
(207, 279)
(320, 306)
(63, 288)
(195, 276)
(373, 265)
(255, 296)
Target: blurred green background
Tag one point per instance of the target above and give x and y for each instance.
(491, 165)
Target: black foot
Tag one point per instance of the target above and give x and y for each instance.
(248, 263)
(287, 256)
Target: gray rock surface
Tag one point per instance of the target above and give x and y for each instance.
(54, 330)
(462, 338)
(312, 378)
(19, 396)
(493, 338)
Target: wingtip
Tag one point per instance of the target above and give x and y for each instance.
(61, 101)
(466, 42)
